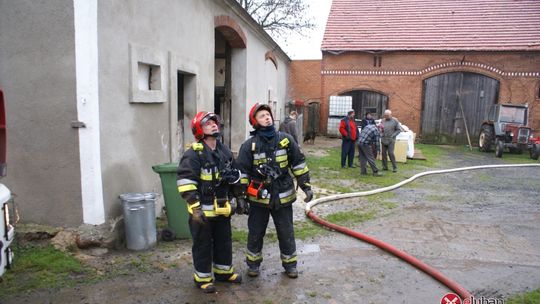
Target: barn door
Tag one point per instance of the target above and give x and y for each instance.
(364, 101)
(313, 118)
(453, 103)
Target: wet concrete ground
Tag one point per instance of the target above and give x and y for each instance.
(480, 228)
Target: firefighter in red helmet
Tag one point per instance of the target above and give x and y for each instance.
(208, 180)
(266, 161)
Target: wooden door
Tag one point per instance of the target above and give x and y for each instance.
(454, 103)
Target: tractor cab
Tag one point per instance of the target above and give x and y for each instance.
(506, 127)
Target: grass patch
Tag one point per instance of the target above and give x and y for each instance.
(239, 236)
(306, 230)
(38, 267)
(326, 171)
(484, 177)
(532, 297)
(352, 216)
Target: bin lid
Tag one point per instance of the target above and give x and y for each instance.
(165, 168)
(132, 197)
(149, 195)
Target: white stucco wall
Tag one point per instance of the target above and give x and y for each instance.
(136, 136)
(76, 60)
(182, 33)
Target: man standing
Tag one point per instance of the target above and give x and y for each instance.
(265, 160)
(289, 125)
(206, 178)
(348, 130)
(391, 128)
(369, 136)
(368, 119)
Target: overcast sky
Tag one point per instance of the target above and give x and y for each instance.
(309, 47)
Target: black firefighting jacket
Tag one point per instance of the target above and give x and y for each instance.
(199, 177)
(268, 161)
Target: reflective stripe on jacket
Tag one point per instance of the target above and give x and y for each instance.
(283, 155)
(198, 178)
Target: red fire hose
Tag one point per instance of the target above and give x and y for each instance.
(458, 289)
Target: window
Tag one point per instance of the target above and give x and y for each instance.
(377, 61)
(147, 75)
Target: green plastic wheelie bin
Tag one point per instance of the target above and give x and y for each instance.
(175, 206)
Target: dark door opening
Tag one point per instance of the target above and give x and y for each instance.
(223, 86)
(363, 101)
(180, 112)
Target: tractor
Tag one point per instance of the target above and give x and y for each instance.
(506, 128)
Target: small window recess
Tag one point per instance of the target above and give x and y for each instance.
(377, 61)
(149, 77)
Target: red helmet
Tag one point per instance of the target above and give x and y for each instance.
(256, 108)
(200, 119)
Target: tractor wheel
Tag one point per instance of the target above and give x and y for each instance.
(167, 235)
(499, 147)
(485, 140)
(534, 153)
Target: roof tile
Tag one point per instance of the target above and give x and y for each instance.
(479, 25)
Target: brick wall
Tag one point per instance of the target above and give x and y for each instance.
(400, 76)
(305, 80)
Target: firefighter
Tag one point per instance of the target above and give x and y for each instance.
(207, 181)
(264, 160)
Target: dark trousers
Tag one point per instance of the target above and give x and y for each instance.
(347, 151)
(283, 220)
(388, 149)
(211, 239)
(366, 156)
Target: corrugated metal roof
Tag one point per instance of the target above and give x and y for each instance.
(479, 25)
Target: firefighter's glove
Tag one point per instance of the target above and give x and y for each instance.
(230, 176)
(309, 194)
(306, 187)
(242, 206)
(197, 215)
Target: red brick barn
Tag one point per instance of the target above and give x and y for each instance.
(423, 58)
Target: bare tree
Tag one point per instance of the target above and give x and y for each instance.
(279, 17)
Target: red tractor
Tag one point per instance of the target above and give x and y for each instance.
(506, 128)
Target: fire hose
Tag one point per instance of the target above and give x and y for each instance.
(454, 286)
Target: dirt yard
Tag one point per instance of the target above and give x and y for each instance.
(481, 228)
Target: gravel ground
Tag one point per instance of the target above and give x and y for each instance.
(481, 228)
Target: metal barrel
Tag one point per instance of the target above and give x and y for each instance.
(140, 220)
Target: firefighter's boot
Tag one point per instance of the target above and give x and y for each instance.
(204, 283)
(291, 272)
(253, 271)
(227, 274)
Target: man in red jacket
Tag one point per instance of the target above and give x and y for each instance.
(348, 131)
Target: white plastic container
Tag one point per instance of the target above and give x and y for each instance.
(7, 232)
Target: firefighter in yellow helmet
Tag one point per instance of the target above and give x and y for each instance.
(266, 161)
(207, 179)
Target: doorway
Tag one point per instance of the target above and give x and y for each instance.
(364, 101)
(223, 85)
